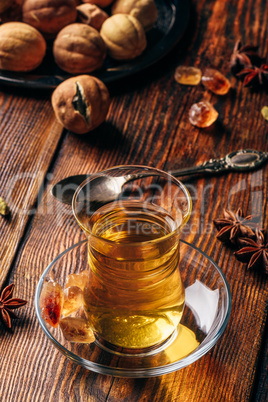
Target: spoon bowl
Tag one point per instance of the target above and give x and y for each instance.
(138, 184)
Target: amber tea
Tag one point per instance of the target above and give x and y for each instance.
(135, 296)
(133, 216)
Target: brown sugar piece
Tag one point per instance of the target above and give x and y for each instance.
(202, 114)
(215, 81)
(76, 330)
(51, 302)
(188, 75)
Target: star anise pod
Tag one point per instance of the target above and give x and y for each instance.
(255, 76)
(244, 57)
(7, 304)
(234, 225)
(255, 253)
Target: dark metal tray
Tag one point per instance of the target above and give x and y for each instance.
(173, 16)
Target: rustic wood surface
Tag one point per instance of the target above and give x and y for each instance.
(147, 124)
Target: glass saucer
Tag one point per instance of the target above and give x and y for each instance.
(207, 311)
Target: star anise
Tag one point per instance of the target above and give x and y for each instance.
(7, 304)
(234, 225)
(255, 253)
(244, 57)
(255, 76)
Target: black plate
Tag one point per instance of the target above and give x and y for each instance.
(173, 16)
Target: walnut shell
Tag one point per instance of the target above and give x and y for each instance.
(91, 15)
(79, 48)
(100, 3)
(124, 36)
(144, 10)
(49, 16)
(22, 47)
(81, 103)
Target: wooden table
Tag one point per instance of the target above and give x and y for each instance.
(147, 124)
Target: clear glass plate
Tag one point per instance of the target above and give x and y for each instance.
(206, 314)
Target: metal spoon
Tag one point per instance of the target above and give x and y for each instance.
(242, 160)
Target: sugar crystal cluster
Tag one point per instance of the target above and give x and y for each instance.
(203, 114)
(58, 304)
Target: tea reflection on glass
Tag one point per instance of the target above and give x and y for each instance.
(134, 298)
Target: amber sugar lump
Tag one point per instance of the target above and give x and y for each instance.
(51, 302)
(215, 81)
(264, 112)
(76, 330)
(188, 75)
(72, 300)
(202, 114)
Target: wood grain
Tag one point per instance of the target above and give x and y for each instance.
(28, 136)
(147, 124)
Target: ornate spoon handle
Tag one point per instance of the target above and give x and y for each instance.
(242, 160)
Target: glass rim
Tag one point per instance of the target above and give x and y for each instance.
(99, 368)
(126, 167)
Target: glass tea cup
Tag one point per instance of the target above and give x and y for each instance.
(132, 216)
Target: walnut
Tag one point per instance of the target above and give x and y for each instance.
(100, 3)
(144, 10)
(124, 36)
(22, 47)
(49, 16)
(91, 15)
(79, 48)
(81, 103)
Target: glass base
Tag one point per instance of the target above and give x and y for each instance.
(119, 351)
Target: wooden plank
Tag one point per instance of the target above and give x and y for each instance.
(260, 390)
(148, 125)
(28, 139)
